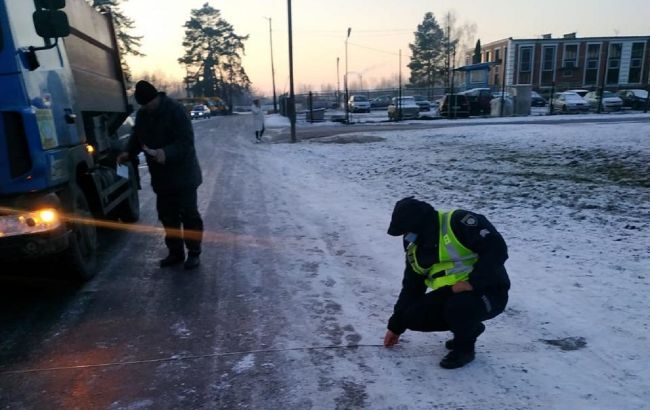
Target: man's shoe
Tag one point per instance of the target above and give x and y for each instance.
(456, 359)
(451, 343)
(171, 260)
(192, 262)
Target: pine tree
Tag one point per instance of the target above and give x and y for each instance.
(477, 52)
(427, 53)
(127, 43)
(213, 55)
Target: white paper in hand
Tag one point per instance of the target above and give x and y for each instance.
(123, 171)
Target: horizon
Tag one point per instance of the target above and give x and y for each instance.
(379, 30)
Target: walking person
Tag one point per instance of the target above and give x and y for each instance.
(258, 119)
(164, 132)
(460, 256)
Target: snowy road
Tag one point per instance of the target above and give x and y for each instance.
(298, 278)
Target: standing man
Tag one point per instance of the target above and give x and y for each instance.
(164, 132)
(258, 119)
(460, 256)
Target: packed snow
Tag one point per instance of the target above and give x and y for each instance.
(572, 202)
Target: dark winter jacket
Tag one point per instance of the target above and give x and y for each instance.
(168, 127)
(473, 230)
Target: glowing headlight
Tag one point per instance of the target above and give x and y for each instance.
(42, 220)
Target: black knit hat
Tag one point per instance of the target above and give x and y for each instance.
(144, 92)
(410, 215)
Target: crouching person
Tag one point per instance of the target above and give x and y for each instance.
(460, 256)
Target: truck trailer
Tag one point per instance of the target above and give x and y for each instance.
(62, 99)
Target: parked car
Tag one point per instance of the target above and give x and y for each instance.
(422, 102)
(537, 100)
(635, 99)
(358, 103)
(200, 111)
(611, 102)
(454, 105)
(479, 100)
(403, 108)
(580, 92)
(569, 102)
(381, 101)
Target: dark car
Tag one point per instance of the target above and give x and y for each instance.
(479, 100)
(381, 101)
(537, 100)
(422, 102)
(635, 99)
(454, 105)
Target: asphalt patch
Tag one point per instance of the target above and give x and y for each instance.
(568, 343)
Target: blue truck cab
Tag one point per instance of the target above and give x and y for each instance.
(62, 99)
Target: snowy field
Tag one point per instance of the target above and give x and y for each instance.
(572, 202)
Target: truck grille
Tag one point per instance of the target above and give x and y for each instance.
(20, 162)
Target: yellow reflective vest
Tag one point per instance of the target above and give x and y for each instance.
(455, 261)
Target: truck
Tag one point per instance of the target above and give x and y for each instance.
(62, 98)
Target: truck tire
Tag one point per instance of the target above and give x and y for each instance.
(129, 210)
(81, 256)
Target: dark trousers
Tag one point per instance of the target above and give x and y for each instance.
(180, 216)
(258, 133)
(461, 313)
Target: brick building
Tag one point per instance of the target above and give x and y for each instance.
(569, 62)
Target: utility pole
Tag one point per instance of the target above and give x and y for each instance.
(399, 89)
(275, 101)
(338, 84)
(345, 80)
(292, 97)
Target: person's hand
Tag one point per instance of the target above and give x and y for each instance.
(462, 286)
(122, 157)
(390, 339)
(157, 154)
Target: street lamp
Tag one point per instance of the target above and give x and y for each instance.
(345, 79)
(275, 104)
(338, 84)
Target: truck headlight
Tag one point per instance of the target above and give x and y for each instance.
(22, 223)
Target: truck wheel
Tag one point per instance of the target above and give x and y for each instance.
(81, 256)
(129, 210)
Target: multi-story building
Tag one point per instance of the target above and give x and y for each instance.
(569, 62)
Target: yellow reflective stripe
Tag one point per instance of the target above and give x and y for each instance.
(446, 280)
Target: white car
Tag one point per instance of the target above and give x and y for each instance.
(569, 102)
(580, 92)
(200, 111)
(359, 103)
(611, 102)
(403, 108)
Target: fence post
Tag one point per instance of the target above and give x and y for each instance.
(311, 107)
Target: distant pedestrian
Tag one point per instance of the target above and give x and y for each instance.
(258, 119)
(460, 256)
(164, 132)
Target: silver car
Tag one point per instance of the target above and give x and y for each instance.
(403, 108)
(611, 102)
(569, 102)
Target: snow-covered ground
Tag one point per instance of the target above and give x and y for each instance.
(572, 202)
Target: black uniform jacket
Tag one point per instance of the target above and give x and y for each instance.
(167, 127)
(473, 230)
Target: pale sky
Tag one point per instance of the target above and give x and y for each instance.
(380, 28)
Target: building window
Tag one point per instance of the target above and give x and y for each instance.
(525, 65)
(487, 57)
(636, 62)
(570, 59)
(496, 55)
(614, 63)
(548, 65)
(592, 64)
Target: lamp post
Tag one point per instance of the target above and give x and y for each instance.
(275, 103)
(292, 97)
(345, 79)
(338, 84)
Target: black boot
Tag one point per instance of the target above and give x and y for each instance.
(172, 259)
(457, 358)
(451, 343)
(192, 262)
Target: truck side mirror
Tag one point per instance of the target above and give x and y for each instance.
(49, 20)
(51, 23)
